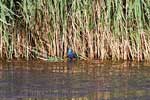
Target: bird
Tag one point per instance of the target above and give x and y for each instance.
(71, 55)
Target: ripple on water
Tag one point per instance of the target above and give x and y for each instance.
(96, 81)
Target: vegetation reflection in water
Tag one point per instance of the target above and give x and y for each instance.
(74, 81)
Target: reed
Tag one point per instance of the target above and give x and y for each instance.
(95, 29)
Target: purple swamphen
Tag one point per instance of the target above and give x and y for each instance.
(71, 55)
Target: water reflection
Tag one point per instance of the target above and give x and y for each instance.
(74, 81)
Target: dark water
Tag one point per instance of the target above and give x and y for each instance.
(74, 81)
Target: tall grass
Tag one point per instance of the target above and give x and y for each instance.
(96, 29)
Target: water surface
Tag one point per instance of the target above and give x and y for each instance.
(74, 81)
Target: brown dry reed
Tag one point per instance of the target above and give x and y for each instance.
(94, 29)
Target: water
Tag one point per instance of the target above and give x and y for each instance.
(74, 81)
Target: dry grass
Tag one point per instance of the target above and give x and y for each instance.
(104, 29)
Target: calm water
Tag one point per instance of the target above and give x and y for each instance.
(74, 81)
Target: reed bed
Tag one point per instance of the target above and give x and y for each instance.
(94, 29)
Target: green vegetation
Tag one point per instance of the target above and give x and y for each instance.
(100, 29)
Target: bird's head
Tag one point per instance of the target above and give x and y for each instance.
(70, 50)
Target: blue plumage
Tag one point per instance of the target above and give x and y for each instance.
(71, 55)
